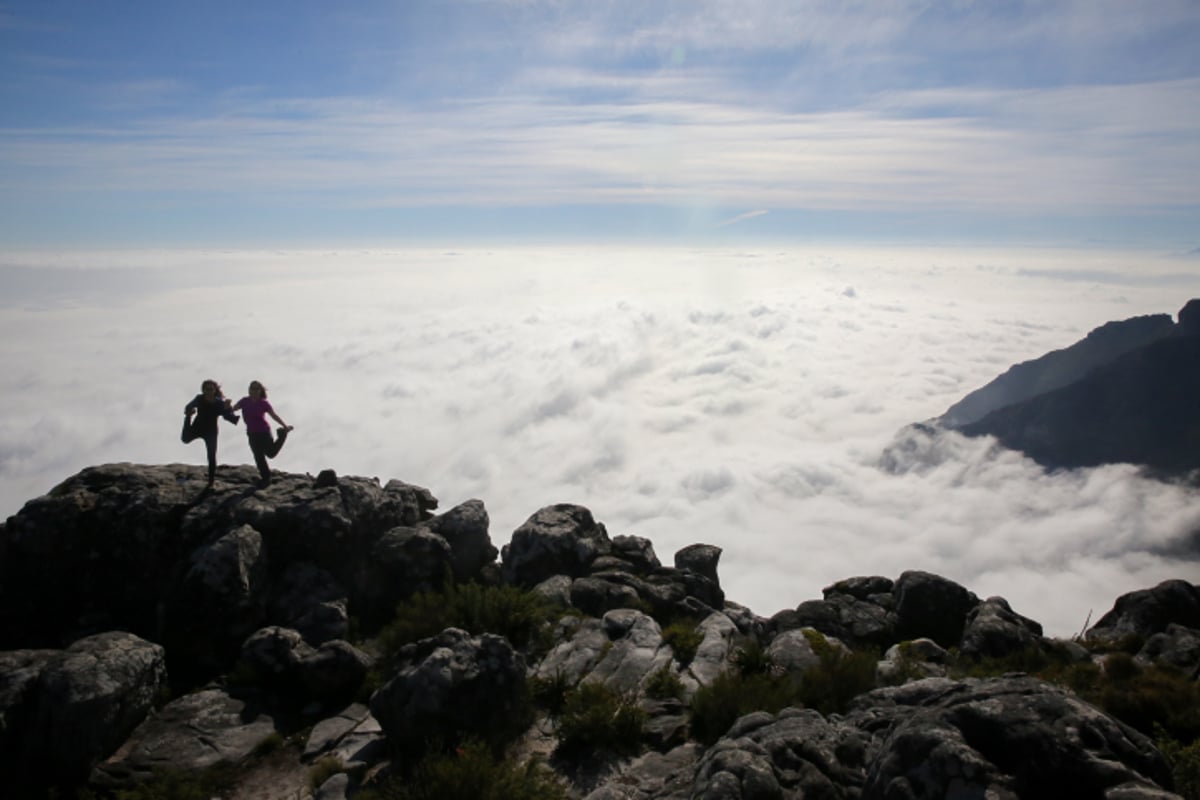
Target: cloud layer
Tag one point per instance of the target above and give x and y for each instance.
(739, 398)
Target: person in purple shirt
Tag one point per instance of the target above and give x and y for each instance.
(255, 409)
(207, 406)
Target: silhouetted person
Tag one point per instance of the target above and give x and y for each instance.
(256, 408)
(207, 406)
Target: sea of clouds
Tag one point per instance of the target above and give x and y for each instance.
(742, 398)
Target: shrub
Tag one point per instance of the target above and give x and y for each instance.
(595, 717)
(839, 678)
(752, 659)
(324, 769)
(518, 615)
(1136, 695)
(216, 781)
(732, 694)
(664, 684)
(551, 693)
(271, 743)
(684, 639)
(470, 772)
(1184, 761)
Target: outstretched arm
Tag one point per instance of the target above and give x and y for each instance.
(275, 417)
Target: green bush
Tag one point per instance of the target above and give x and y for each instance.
(518, 615)
(551, 693)
(732, 694)
(684, 639)
(664, 684)
(752, 659)
(595, 717)
(839, 678)
(471, 772)
(1184, 761)
(216, 781)
(1139, 696)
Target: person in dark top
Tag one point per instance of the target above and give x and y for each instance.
(207, 407)
(256, 408)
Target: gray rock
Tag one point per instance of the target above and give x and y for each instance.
(653, 776)
(273, 657)
(450, 686)
(337, 787)
(191, 733)
(557, 540)
(310, 600)
(636, 651)
(933, 607)
(994, 630)
(334, 672)
(64, 710)
(793, 651)
(861, 588)
(701, 559)
(858, 623)
(636, 551)
(221, 600)
(1005, 737)
(557, 589)
(1176, 647)
(405, 561)
(595, 595)
(715, 653)
(913, 660)
(327, 733)
(1143, 613)
(580, 646)
(465, 529)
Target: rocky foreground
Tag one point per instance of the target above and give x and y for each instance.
(151, 628)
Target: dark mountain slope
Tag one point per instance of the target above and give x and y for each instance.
(1141, 408)
(1059, 368)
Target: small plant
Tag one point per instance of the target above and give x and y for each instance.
(518, 615)
(1184, 761)
(216, 781)
(551, 693)
(271, 743)
(470, 772)
(595, 717)
(684, 640)
(839, 678)
(732, 694)
(324, 769)
(752, 659)
(664, 684)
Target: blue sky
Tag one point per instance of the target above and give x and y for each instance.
(299, 123)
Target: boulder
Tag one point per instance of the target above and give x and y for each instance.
(850, 619)
(636, 650)
(1002, 737)
(220, 601)
(557, 540)
(63, 711)
(796, 753)
(1143, 613)
(465, 529)
(191, 733)
(403, 561)
(309, 599)
(1177, 647)
(1189, 318)
(994, 630)
(912, 660)
(798, 651)
(637, 552)
(701, 559)
(931, 606)
(453, 686)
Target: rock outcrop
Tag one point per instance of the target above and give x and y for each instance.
(241, 604)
